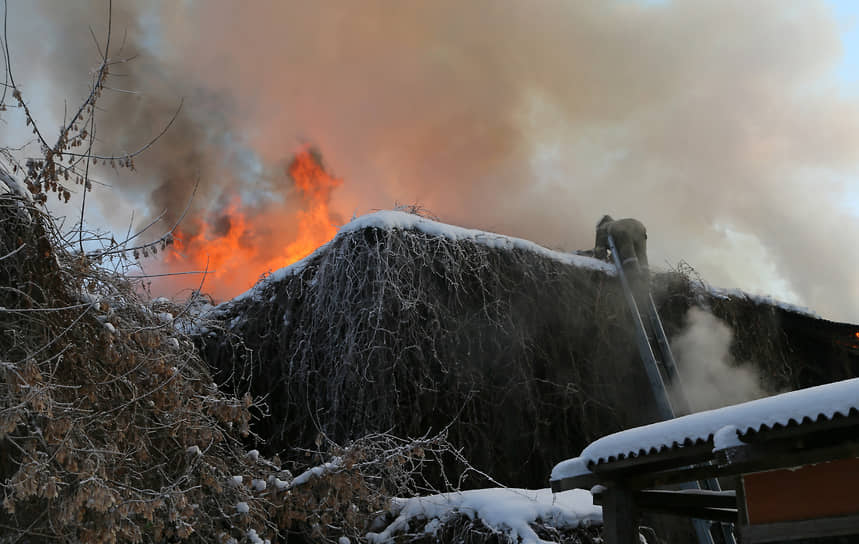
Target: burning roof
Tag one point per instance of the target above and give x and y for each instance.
(238, 241)
(393, 220)
(519, 352)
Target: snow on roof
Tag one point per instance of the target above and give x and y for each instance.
(391, 220)
(760, 299)
(821, 403)
(506, 510)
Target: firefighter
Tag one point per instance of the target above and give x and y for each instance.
(630, 239)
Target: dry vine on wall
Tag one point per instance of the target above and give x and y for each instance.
(521, 357)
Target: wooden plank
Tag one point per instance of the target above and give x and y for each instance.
(693, 503)
(742, 514)
(682, 456)
(584, 481)
(662, 498)
(724, 515)
(759, 460)
(814, 491)
(679, 475)
(794, 530)
(783, 454)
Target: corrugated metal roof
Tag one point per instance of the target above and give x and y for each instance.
(819, 404)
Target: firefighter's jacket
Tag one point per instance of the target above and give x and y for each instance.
(630, 239)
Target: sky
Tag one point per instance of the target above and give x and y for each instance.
(730, 128)
(847, 14)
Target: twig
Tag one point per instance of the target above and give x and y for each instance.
(13, 252)
(120, 247)
(139, 276)
(86, 184)
(139, 150)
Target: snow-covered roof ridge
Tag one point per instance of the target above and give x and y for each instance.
(393, 220)
(823, 402)
(721, 292)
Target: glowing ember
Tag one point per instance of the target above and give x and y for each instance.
(240, 243)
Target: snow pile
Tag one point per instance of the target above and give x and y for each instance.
(726, 437)
(254, 538)
(505, 511)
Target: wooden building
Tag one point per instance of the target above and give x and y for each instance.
(793, 459)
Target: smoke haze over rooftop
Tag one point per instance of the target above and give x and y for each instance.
(723, 125)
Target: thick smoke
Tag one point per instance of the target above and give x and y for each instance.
(141, 99)
(720, 124)
(710, 378)
(198, 163)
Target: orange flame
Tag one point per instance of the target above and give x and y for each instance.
(240, 244)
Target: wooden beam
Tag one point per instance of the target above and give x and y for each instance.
(686, 455)
(692, 503)
(662, 498)
(679, 475)
(794, 530)
(754, 459)
(620, 516)
(742, 514)
(583, 481)
(724, 515)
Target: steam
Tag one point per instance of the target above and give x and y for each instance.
(710, 377)
(720, 124)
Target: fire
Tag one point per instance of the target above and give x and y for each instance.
(239, 243)
(314, 223)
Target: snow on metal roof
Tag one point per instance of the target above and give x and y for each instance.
(815, 404)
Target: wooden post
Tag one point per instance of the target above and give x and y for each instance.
(620, 516)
